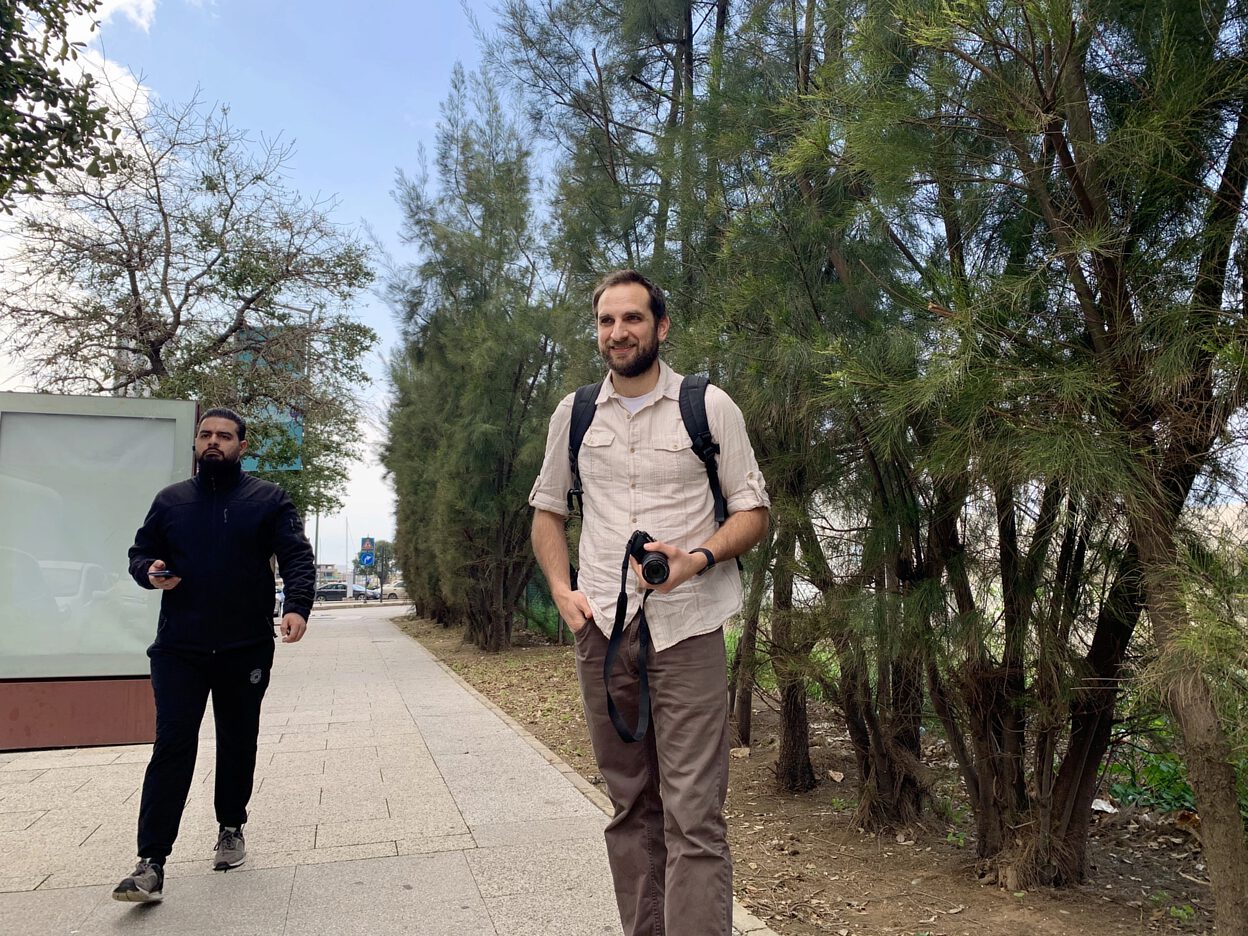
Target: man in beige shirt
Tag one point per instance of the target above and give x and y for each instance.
(639, 472)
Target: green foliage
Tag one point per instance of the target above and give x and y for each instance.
(1152, 781)
(49, 120)
(196, 274)
(474, 383)
(973, 272)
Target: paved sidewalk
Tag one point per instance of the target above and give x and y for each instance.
(390, 798)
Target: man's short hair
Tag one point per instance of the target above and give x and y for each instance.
(658, 302)
(220, 412)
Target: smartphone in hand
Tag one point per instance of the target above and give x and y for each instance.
(161, 573)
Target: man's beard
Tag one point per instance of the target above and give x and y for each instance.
(646, 355)
(217, 467)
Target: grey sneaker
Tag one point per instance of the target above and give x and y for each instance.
(230, 849)
(146, 884)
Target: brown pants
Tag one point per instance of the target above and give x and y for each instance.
(668, 835)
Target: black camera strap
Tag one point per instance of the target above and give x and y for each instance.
(626, 734)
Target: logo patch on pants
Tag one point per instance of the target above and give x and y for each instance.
(255, 676)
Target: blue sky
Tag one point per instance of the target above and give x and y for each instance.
(356, 88)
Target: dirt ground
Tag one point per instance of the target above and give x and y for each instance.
(801, 866)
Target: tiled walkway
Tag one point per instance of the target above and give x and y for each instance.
(390, 799)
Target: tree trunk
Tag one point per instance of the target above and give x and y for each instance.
(794, 773)
(1210, 764)
(745, 663)
(1091, 718)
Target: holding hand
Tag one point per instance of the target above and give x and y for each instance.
(159, 576)
(682, 566)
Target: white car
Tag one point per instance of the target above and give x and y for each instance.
(394, 591)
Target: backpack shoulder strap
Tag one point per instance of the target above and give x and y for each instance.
(693, 412)
(584, 408)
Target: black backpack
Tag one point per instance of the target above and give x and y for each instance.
(692, 413)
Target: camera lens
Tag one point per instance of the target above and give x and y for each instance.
(654, 568)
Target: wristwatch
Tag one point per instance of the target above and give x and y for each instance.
(710, 557)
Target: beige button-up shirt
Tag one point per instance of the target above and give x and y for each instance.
(639, 472)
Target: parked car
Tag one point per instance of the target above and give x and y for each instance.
(279, 598)
(394, 591)
(332, 591)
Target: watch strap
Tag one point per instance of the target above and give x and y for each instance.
(710, 558)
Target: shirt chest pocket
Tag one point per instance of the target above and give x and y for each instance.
(672, 460)
(599, 451)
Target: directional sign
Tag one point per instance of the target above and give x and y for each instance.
(367, 559)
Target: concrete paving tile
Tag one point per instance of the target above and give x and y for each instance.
(27, 797)
(17, 821)
(18, 777)
(426, 845)
(139, 755)
(333, 834)
(129, 771)
(21, 882)
(356, 759)
(464, 735)
(238, 904)
(310, 729)
(414, 776)
(342, 708)
(355, 741)
(481, 806)
(426, 806)
(321, 717)
(538, 867)
(39, 846)
(368, 780)
(49, 913)
(264, 837)
(292, 743)
(512, 761)
(412, 895)
(347, 804)
(448, 706)
(521, 833)
(297, 763)
(286, 793)
(278, 814)
(75, 757)
(582, 910)
(104, 795)
(316, 856)
(112, 831)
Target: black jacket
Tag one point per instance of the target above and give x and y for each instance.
(218, 534)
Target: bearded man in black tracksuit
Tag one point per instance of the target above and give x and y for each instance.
(207, 543)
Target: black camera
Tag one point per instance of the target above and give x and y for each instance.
(654, 568)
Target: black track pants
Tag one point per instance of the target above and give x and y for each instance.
(181, 683)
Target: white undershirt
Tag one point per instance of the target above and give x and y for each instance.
(634, 403)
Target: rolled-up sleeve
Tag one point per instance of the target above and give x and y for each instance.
(739, 476)
(550, 488)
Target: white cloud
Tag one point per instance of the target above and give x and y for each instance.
(141, 13)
